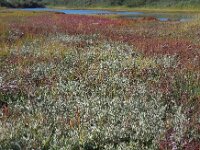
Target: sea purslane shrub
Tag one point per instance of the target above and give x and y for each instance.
(98, 97)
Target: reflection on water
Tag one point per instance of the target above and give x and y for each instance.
(183, 17)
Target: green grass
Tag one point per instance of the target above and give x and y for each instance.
(2, 8)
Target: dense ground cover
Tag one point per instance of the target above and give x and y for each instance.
(104, 83)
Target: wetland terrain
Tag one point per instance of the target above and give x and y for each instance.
(118, 81)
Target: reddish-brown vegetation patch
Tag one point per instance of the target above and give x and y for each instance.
(114, 29)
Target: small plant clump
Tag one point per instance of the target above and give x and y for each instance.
(105, 83)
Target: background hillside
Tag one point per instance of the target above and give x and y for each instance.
(22, 3)
(103, 3)
(129, 3)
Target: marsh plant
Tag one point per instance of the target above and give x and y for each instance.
(105, 83)
(97, 97)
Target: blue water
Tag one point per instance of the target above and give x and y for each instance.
(160, 16)
(84, 12)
